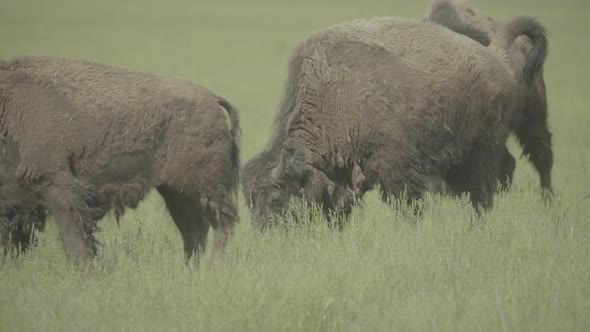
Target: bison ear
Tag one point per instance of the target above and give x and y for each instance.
(291, 164)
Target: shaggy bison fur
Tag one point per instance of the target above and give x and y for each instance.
(389, 102)
(81, 139)
(528, 122)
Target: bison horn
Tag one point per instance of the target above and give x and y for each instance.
(290, 165)
(279, 171)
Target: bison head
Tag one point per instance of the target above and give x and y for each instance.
(270, 186)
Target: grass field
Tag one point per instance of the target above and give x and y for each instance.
(527, 269)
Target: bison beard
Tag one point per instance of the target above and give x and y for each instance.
(104, 152)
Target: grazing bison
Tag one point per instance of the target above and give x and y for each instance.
(81, 139)
(529, 121)
(18, 226)
(389, 102)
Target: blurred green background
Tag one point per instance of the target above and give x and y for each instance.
(528, 269)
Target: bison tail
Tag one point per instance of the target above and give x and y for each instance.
(234, 119)
(535, 31)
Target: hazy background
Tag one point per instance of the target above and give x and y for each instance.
(527, 269)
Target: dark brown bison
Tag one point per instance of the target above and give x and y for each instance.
(389, 102)
(18, 226)
(529, 121)
(81, 139)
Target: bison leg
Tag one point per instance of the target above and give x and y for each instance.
(73, 218)
(187, 213)
(18, 226)
(336, 200)
(411, 197)
(342, 202)
(536, 141)
(507, 170)
(477, 175)
(411, 186)
(222, 215)
(395, 180)
(223, 232)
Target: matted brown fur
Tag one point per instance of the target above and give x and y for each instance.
(529, 122)
(83, 138)
(384, 101)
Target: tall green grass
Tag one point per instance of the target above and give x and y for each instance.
(527, 268)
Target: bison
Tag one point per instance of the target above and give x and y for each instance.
(389, 102)
(529, 121)
(81, 139)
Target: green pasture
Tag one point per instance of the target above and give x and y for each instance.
(526, 269)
